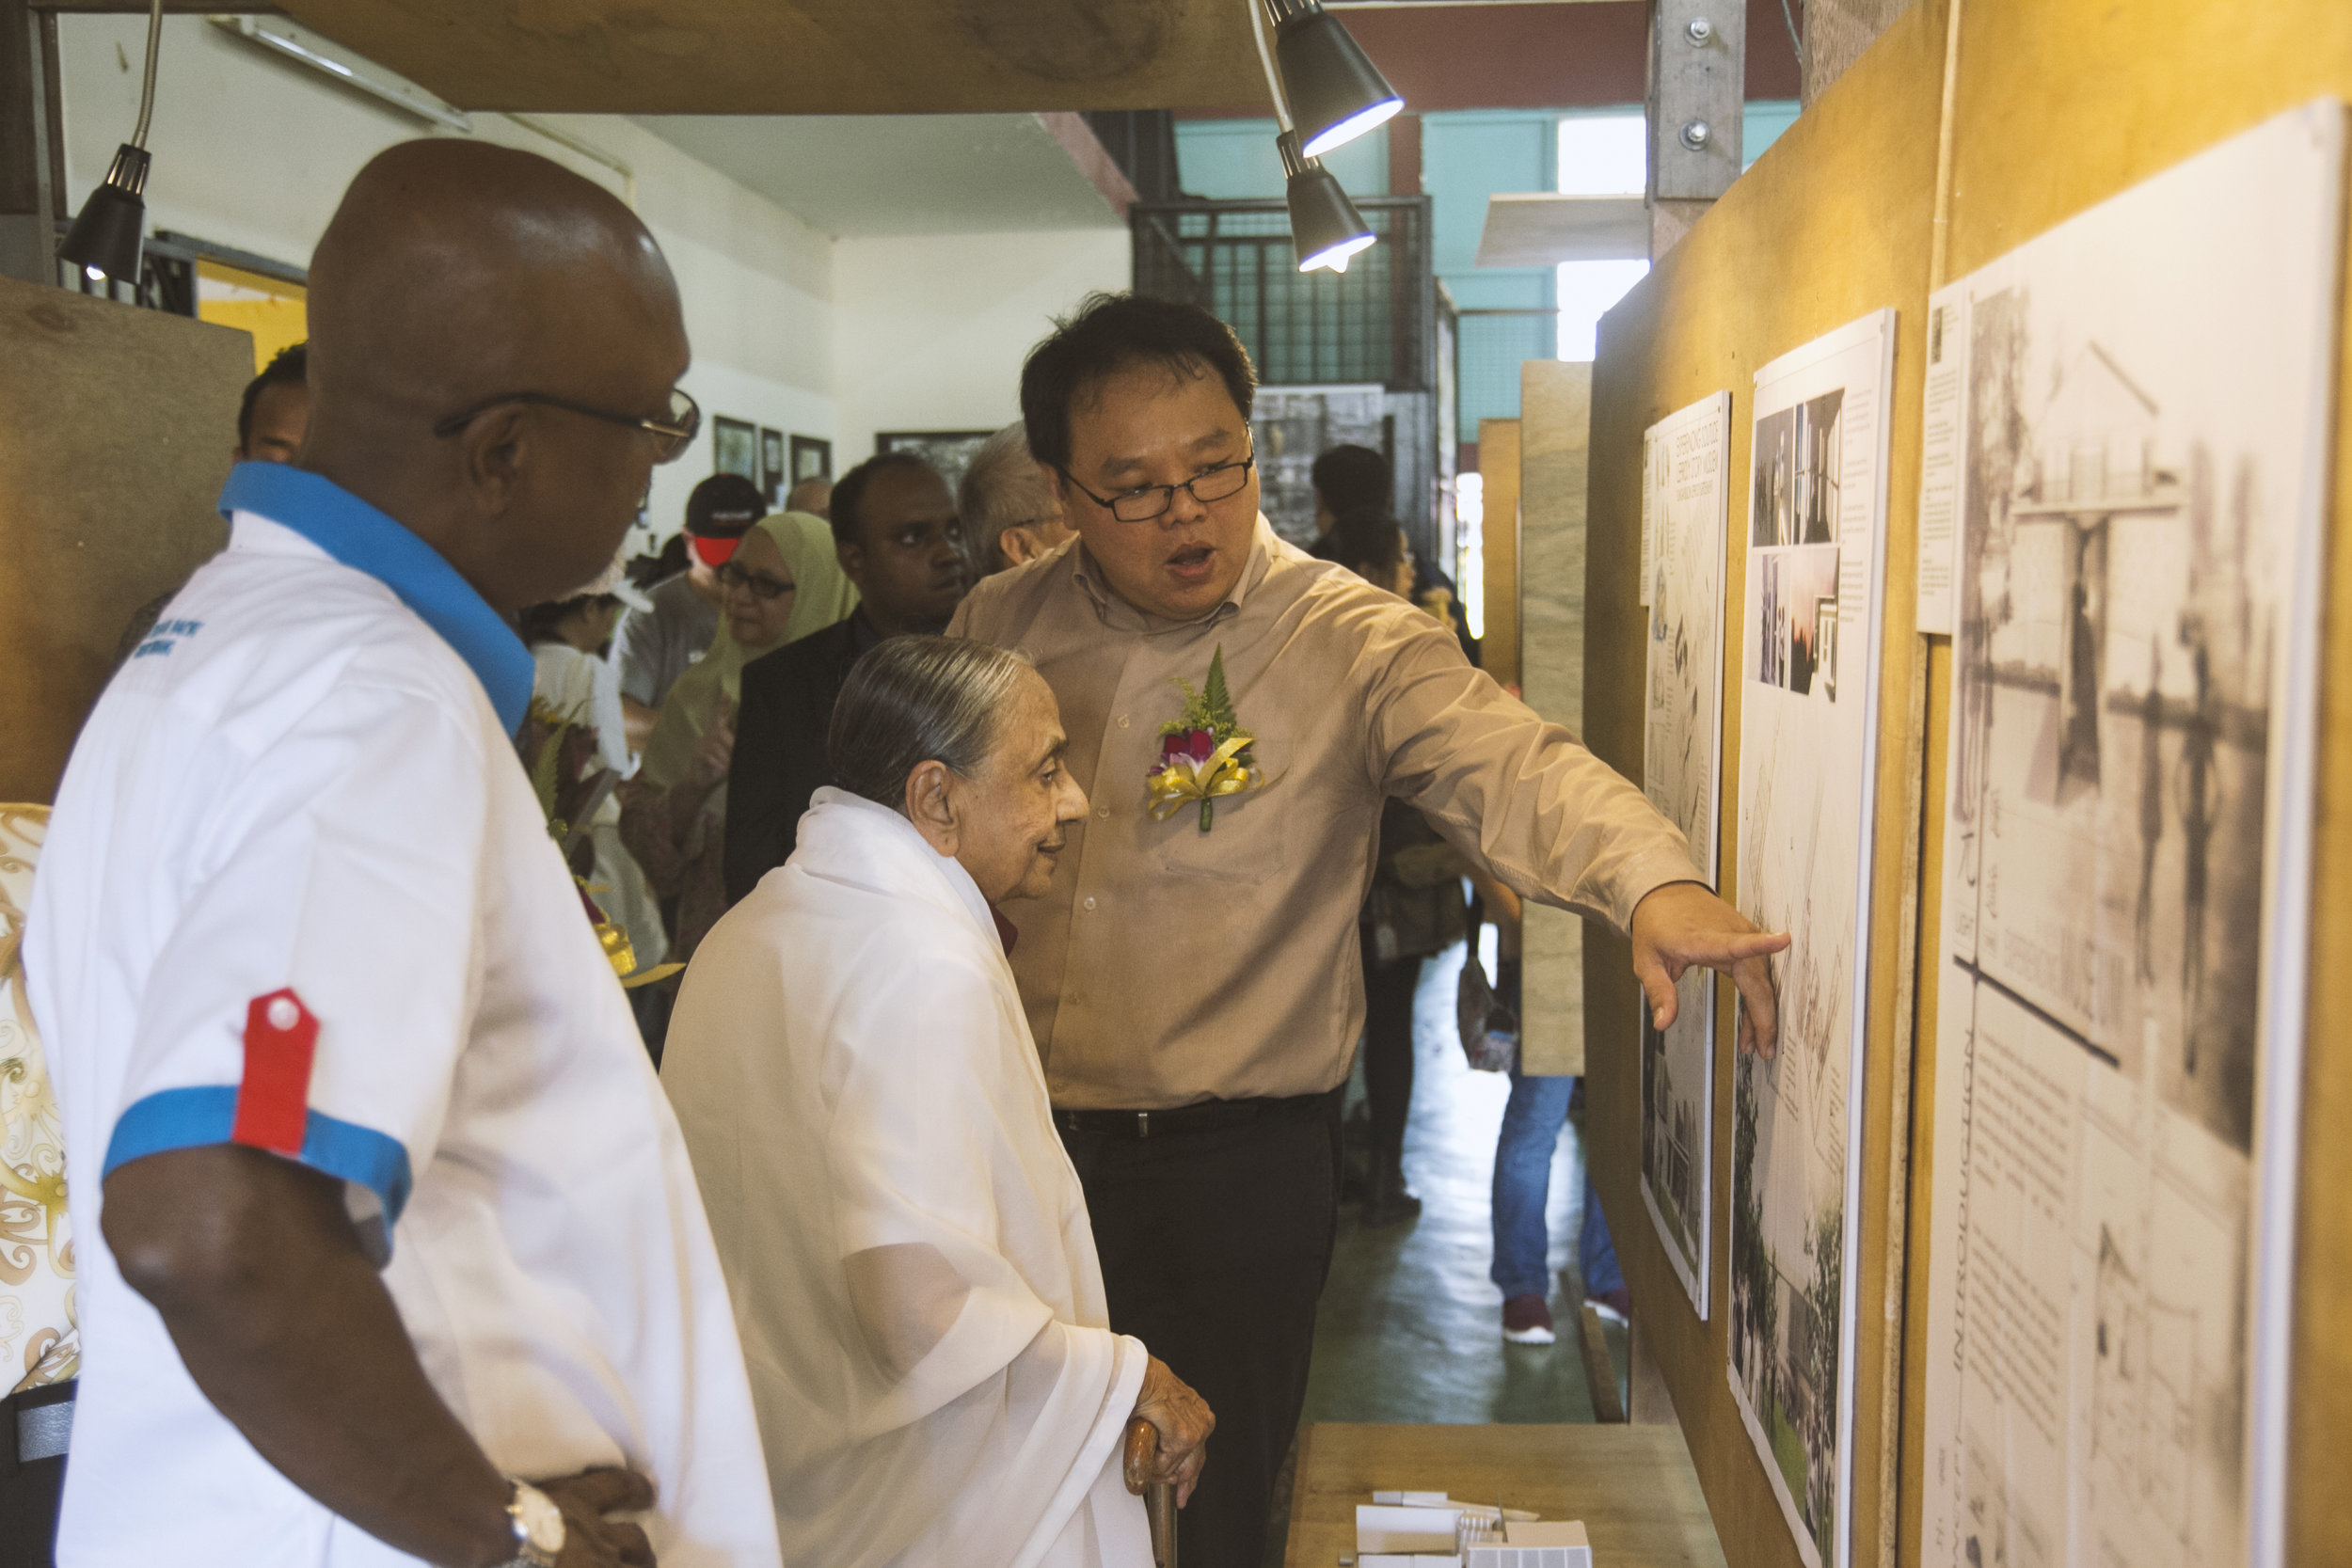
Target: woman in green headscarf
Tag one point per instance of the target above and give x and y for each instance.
(782, 583)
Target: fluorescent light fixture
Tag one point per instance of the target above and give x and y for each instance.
(1326, 227)
(1336, 93)
(105, 238)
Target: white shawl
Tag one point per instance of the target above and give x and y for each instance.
(905, 1241)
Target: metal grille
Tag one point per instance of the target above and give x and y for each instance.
(1489, 345)
(1376, 322)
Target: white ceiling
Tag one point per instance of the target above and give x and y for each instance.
(898, 174)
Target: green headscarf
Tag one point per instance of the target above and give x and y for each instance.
(824, 597)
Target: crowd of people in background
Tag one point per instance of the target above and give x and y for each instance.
(985, 1187)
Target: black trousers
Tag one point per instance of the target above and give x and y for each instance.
(29, 1491)
(1214, 1245)
(1389, 987)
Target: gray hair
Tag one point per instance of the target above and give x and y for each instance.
(1003, 488)
(916, 700)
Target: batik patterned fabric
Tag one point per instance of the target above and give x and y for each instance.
(39, 1341)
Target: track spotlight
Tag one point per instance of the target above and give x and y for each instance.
(1336, 93)
(105, 238)
(1326, 227)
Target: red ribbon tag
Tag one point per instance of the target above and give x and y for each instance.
(273, 1099)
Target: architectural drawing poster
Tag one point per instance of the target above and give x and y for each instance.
(1685, 499)
(1808, 738)
(2141, 458)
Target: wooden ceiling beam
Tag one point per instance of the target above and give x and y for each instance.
(805, 56)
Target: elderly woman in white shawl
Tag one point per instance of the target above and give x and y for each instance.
(907, 1249)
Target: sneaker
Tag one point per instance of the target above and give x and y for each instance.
(1527, 1321)
(1617, 1304)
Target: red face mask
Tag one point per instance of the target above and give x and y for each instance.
(711, 552)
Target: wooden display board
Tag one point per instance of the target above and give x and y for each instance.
(2056, 106)
(1498, 543)
(1555, 426)
(1831, 224)
(116, 428)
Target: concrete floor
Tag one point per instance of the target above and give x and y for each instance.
(1410, 1329)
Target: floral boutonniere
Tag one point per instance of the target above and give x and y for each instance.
(1204, 753)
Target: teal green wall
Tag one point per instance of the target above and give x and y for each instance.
(1233, 160)
(1467, 155)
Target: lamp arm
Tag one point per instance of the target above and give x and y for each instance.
(1265, 59)
(147, 88)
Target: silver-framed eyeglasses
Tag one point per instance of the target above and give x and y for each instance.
(1147, 501)
(671, 433)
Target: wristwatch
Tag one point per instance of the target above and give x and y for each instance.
(538, 1525)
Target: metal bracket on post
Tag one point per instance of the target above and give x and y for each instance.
(1697, 92)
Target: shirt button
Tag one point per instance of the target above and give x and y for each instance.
(1089, 903)
(1102, 811)
(1122, 721)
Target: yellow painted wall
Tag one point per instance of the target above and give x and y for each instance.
(275, 314)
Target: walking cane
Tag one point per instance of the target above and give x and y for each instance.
(1159, 1499)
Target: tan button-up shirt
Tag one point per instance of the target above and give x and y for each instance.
(1165, 965)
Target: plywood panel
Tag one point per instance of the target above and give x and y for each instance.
(1555, 442)
(1834, 222)
(2062, 103)
(116, 426)
(1499, 542)
(805, 56)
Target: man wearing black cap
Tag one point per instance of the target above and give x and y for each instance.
(655, 647)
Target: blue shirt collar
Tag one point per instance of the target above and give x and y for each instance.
(369, 541)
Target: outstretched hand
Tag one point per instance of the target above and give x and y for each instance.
(1683, 923)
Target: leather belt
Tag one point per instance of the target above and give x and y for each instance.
(1208, 1115)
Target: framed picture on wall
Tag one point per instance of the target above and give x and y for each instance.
(948, 451)
(735, 448)
(812, 458)
(773, 477)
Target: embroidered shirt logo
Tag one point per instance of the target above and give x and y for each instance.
(165, 637)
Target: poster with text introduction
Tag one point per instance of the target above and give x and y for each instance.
(2140, 458)
(1808, 741)
(1685, 496)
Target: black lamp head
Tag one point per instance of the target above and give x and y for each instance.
(1326, 227)
(1336, 93)
(104, 240)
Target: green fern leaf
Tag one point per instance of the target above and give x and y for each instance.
(1218, 702)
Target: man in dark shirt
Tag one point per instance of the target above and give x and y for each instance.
(894, 525)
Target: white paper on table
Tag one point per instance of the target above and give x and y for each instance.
(1405, 1529)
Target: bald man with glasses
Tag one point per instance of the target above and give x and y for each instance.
(391, 1247)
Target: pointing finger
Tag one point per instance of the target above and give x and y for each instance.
(1761, 1015)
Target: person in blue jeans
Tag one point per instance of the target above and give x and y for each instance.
(1523, 1184)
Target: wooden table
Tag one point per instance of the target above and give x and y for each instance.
(1632, 1486)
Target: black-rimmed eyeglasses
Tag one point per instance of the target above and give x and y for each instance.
(732, 577)
(1145, 502)
(670, 435)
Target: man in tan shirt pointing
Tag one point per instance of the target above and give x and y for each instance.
(1237, 712)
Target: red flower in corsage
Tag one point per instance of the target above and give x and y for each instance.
(1204, 753)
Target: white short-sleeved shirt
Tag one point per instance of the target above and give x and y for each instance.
(302, 781)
